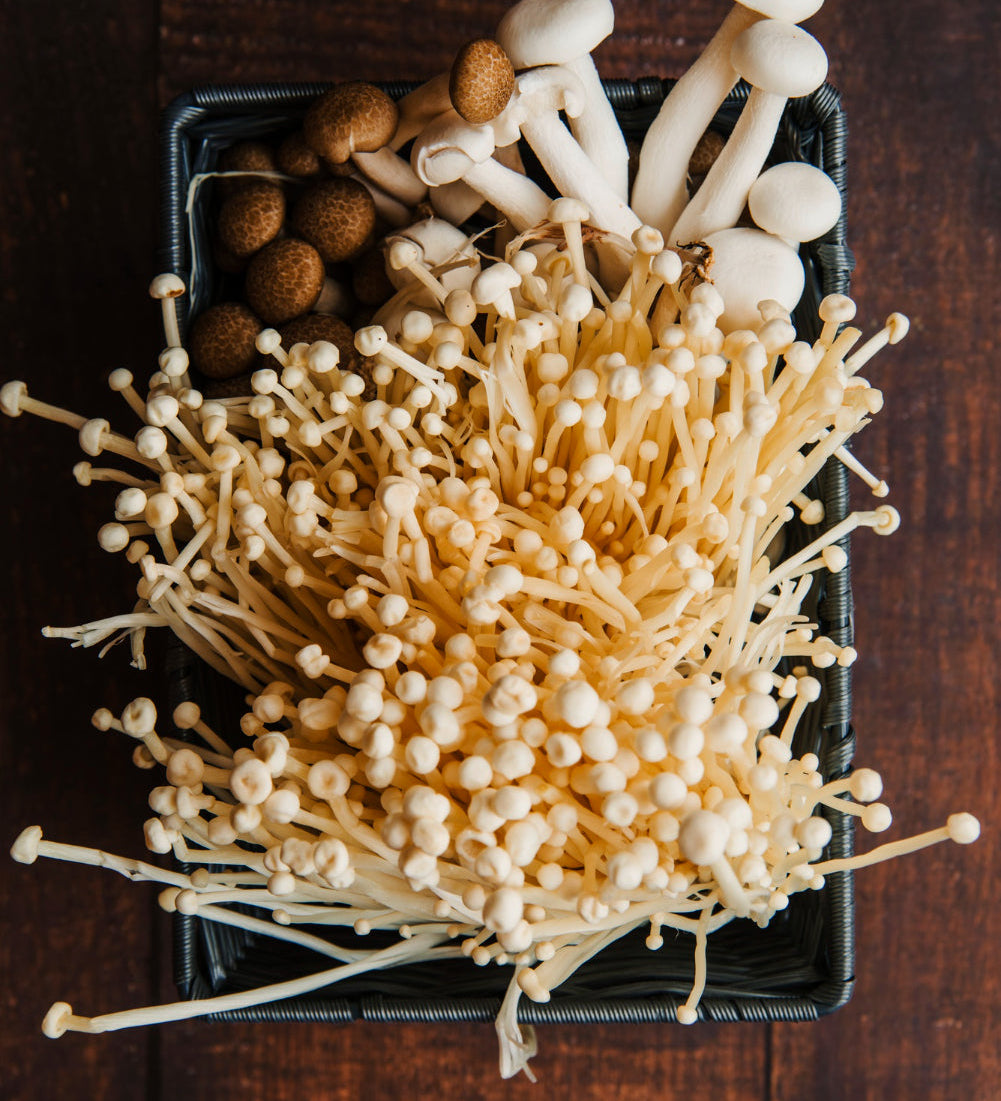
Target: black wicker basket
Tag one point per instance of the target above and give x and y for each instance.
(798, 968)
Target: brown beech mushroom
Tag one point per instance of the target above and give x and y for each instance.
(295, 157)
(251, 218)
(245, 156)
(357, 120)
(336, 217)
(221, 343)
(705, 154)
(481, 81)
(284, 280)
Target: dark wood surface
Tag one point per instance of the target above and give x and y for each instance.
(81, 84)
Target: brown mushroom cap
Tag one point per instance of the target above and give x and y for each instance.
(481, 81)
(323, 326)
(222, 340)
(351, 117)
(369, 280)
(251, 218)
(296, 158)
(336, 217)
(704, 156)
(284, 280)
(245, 156)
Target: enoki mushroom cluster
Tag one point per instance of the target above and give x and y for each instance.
(509, 612)
(524, 646)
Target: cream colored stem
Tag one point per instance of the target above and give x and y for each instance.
(597, 129)
(722, 197)
(659, 191)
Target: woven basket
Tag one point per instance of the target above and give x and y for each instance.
(800, 966)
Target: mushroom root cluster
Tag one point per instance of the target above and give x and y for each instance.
(524, 643)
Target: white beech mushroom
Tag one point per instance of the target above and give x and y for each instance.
(750, 267)
(540, 95)
(564, 32)
(780, 61)
(794, 201)
(449, 150)
(659, 190)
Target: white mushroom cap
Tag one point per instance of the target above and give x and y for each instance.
(547, 88)
(553, 32)
(439, 242)
(790, 11)
(703, 837)
(448, 148)
(779, 58)
(795, 201)
(750, 266)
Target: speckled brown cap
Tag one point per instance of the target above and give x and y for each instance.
(296, 158)
(245, 156)
(352, 117)
(323, 326)
(222, 340)
(481, 81)
(336, 217)
(251, 218)
(709, 147)
(284, 280)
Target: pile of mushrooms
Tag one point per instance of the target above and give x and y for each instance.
(506, 586)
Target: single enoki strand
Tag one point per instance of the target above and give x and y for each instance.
(61, 1018)
(962, 828)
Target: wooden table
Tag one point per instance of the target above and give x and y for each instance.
(82, 83)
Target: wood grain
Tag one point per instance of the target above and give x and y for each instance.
(78, 233)
(77, 240)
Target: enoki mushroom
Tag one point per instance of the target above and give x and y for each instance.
(510, 615)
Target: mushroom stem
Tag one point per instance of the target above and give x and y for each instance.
(391, 174)
(14, 400)
(419, 107)
(721, 198)
(513, 194)
(597, 129)
(541, 94)
(660, 189)
(61, 1019)
(961, 828)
